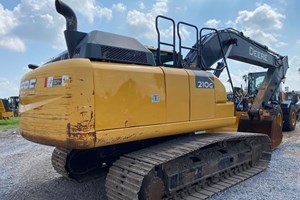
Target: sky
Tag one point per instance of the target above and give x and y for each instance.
(31, 32)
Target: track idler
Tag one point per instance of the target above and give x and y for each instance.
(270, 125)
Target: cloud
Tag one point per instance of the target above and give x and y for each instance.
(119, 7)
(143, 24)
(90, 9)
(212, 23)
(263, 17)
(13, 43)
(231, 24)
(8, 87)
(7, 20)
(160, 7)
(283, 2)
(261, 24)
(7, 23)
(142, 6)
(185, 34)
(293, 74)
(298, 42)
(39, 21)
(261, 36)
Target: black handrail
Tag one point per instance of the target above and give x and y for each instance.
(195, 48)
(164, 43)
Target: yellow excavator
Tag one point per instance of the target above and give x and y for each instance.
(110, 103)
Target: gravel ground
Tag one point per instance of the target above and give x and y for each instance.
(281, 181)
(26, 173)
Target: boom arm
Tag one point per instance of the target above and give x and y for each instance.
(238, 47)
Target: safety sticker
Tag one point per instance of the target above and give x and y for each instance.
(52, 81)
(155, 98)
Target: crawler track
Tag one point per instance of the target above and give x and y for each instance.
(59, 159)
(194, 167)
(75, 170)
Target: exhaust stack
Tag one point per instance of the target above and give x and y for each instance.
(72, 36)
(68, 13)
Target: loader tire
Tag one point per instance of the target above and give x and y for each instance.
(290, 120)
(277, 111)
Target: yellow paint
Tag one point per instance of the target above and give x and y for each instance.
(178, 97)
(202, 100)
(110, 103)
(56, 115)
(117, 136)
(219, 92)
(124, 95)
(3, 112)
(232, 128)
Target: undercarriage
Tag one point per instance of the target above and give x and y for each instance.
(188, 167)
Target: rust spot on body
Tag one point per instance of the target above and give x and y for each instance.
(69, 129)
(82, 140)
(82, 134)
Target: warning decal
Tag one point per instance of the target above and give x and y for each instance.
(55, 81)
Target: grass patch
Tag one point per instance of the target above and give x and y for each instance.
(12, 122)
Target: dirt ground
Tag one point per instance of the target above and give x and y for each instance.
(26, 172)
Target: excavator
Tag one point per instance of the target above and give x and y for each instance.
(110, 103)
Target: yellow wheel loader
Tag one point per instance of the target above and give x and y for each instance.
(294, 98)
(285, 103)
(110, 103)
(5, 112)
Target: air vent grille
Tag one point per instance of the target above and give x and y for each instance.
(123, 55)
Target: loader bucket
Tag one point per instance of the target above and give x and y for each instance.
(267, 124)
